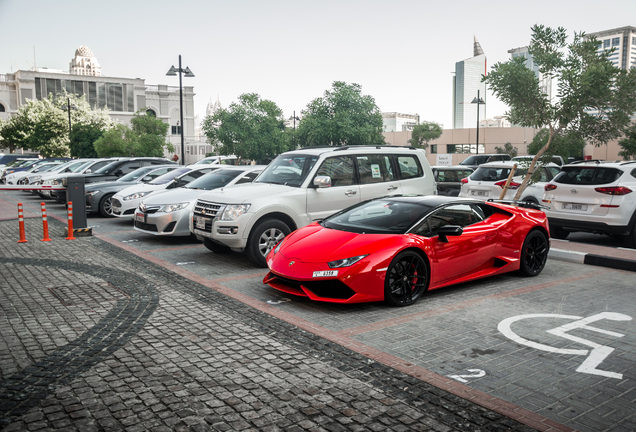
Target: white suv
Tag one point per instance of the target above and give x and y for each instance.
(593, 196)
(303, 186)
(489, 179)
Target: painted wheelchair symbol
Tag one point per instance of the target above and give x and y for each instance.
(595, 356)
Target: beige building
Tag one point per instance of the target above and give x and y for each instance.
(455, 145)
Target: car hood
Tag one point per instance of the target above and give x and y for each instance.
(111, 185)
(315, 243)
(241, 193)
(173, 196)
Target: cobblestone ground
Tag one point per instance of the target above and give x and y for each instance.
(96, 339)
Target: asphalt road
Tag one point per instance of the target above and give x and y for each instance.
(561, 345)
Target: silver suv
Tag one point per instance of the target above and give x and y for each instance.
(593, 196)
(301, 187)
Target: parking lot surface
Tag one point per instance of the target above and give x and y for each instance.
(129, 331)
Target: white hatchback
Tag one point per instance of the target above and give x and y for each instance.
(489, 179)
(593, 196)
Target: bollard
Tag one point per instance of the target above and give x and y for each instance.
(45, 223)
(70, 221)
(21, 225)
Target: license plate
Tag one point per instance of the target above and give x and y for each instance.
(575, 207)
(479, 193)
(199, 223)
(140, 217)
(325, 273)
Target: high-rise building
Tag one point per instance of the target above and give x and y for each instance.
(623, 39)
(466, 86)
(85, 63)
(545, 83)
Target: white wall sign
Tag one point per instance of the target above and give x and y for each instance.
(595, 356)
(444, 160)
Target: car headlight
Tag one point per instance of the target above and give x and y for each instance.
(277, 248)
(57, 181)
(232, 212)
(136, 195)
(346, 262)
(169, 208)
(91, 193)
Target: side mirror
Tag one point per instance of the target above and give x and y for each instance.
(449, 230)
(119, 173)
(322, 181)
(146, 179)
(88, 171)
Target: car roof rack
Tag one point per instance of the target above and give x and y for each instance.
(520, 203)
(348, 147)
(596, 161)
(628, 162)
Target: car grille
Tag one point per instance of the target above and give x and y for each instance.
(149, 209)
(208, 209)
(145, 226)
(328, 288)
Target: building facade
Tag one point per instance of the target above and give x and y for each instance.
(623, 41)
(394, 122)
(467, 85)
(122, 96)
(545, 83)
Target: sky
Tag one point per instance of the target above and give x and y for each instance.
(401, 52)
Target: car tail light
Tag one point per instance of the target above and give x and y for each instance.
(465, 180)
(549, 187)
(614, 190)
(512, 185)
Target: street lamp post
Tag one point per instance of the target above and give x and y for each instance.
(69, 107)
(188, 73)
(478, 101)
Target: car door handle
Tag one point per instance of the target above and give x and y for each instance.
(391, 188)
(350, 192)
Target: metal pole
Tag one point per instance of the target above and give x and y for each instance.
(477, 151)
(69, 118)
(181, 112)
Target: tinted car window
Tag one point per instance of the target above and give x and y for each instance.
(340, 169)
(409, 167)
(586, 175)
(457, 214)
(475, 160)
(170, 175)
(494, 173)
(213, 180)
(249, 177)
(374, 168)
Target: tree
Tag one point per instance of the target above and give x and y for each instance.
(507, 149)
(628, 144)
(343, 116)
(145, 137)
(424, 133)
(251, 128)
(83, 137)
(562, 145)
(42, 125)
(594, 99)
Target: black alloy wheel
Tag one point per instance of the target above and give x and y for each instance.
(406, 279)
(534, 253)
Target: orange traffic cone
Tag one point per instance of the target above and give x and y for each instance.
(45, 223)
(70, 221)
(21, 225)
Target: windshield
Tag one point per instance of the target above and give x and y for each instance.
(108, 168)
(169, 176)
(289, 170)
(587, 175)
(60, 168)
(213, 180)
(475, 160)
(82, 166)
(383, 216)
(136, 174)
(495, 173)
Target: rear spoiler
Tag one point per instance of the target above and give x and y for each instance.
(518, 203)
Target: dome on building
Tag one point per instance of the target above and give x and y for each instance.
(84, 51)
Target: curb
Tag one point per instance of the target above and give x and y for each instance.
(592, 259)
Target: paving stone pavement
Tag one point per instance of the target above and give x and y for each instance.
(94, 338)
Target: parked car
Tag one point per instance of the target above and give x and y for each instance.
(124, 202)
(67, 167)
(119, 167)
(28, 164)
(488, 180)
(449, 179)
(168, 212)
(475, 160)
(555, 159)
(224, 160)
(99, 194)
(89, 167)
(593, 196)
(397, 248)
(7, 158)
(22, 177)
(303, 186)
